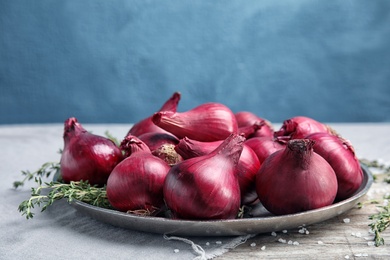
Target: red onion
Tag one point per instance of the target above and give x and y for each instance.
(296, 179)
(340, 154)
(247, 166)
(206, 187)
(87, 156)
(155, 140)
(132, 144)
(245, 118)
(299, 127)
(250, 130)
(207, 122)
(162, 145)
(146, 125)
(136, 183)
(264, 146)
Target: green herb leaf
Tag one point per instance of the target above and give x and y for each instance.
(112, 138)
(77, 190)
(381, 222)
(44, 171)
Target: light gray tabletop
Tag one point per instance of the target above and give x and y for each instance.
(64, 233)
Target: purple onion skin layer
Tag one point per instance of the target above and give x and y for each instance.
(87, 156)
(246, 118)
(156, 140)
(264, 146)
(299, 127)
(207, 122)
(340, 154)
(137, 183)
(206, 187)
(296, 179)
(247, 168)
(247, 165)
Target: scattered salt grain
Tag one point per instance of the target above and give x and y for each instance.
(346, 257)
(176, 250)
(371, 243)
(281, 240)
(284, 231)
(218, 242)
(296, 243)
(346, 220)
(303, 230)
(361, 255)
(320, 242)
(253, 244)
(290, 242)
(207, 243)
(262, 248)
(273, 234)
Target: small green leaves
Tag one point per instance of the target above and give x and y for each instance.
(380, 222)
(44, 171)
(80, 190)
(112, 138)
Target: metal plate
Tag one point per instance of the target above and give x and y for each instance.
(262, 223)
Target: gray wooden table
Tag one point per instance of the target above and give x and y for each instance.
(347, 236)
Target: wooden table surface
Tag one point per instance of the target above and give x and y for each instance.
(346, 236)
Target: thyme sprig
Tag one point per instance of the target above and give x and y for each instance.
(112, 138)
(363, 203)
(75, 190)
(381, 221)
(45, 170)
(376, 164)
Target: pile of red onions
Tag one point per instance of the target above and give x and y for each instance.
(207, 162)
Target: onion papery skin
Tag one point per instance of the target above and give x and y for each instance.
(247, 165)
(246, 118)
(296, 179)
(206, 187)
(299, 127)
(147, 126)
(207, 122)
(340, 154)
(168, 153)
(264, 146)
(86, 156)
(137, 182)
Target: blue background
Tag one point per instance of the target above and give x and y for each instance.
(118, 61)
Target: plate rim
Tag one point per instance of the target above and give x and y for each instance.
(103, 215)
